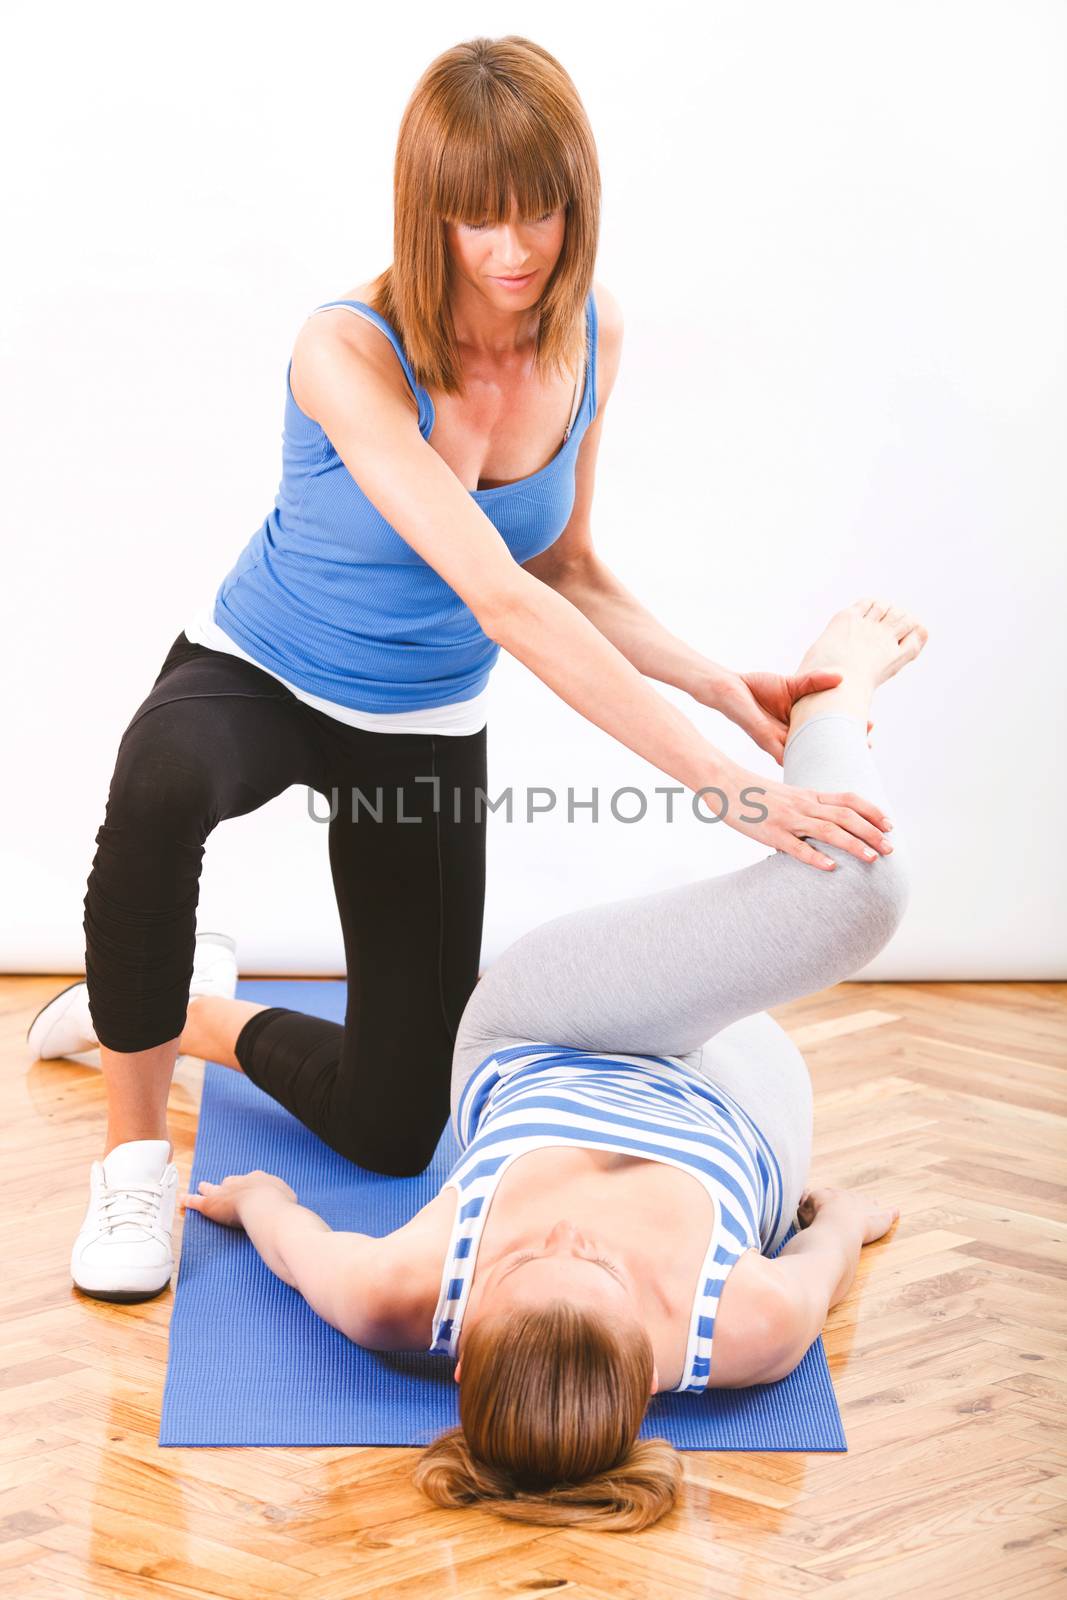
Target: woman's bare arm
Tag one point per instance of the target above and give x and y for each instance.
(590, 585)
(349, 1279)
(816, 1269)
(334, 1271)
(356, 399)
(574, 569)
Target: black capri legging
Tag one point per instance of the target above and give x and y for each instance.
(217, 737)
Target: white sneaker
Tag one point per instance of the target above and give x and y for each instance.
(214, 965)
(64, 1027)
(123, 1249)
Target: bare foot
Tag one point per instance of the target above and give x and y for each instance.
(870, 639)
(867, 642)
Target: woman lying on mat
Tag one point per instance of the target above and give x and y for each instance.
(565, 1281)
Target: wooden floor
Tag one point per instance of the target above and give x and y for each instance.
(948, 1360)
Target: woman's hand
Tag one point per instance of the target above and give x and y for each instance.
(845, 820)
(220, 1201)
(872, 1217)
(760, 703)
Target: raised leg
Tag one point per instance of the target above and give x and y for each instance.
(662, 973)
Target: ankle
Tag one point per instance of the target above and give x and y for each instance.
(192, 1035)
(851, 698)
(126, 1135)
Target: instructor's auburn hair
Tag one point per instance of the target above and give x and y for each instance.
(550, 1402)
(490, 121)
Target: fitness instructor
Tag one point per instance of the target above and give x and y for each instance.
(441, 429)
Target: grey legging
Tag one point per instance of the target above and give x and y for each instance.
(689, 971)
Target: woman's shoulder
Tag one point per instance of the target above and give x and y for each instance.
(608, 341)
(748, 1332)
(608, 312)
(412, 1259)
(340, 320)
(323, 327)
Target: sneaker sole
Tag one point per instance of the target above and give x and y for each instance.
(122, 1296)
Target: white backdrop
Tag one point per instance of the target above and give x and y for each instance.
(837, 234)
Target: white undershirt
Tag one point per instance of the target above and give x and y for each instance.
(460, 717)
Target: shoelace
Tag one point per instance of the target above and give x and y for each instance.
(142, 1201)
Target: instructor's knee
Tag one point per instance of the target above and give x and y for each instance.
(392, 1158)
(161, 784)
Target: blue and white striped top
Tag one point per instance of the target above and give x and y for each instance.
(657, 1107)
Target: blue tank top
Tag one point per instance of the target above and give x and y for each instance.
(327, 595)
(656, 1107)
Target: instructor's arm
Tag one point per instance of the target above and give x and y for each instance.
(359, 396)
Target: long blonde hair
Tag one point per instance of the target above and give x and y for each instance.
(489, 119)
(551, 1401)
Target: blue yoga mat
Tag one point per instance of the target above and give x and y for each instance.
(250, 1363)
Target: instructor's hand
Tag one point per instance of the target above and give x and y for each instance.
(845, 820)
(221, 1201)
(760, 702)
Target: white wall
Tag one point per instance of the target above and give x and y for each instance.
(836, 230)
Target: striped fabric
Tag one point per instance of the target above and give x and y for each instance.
(530, 1096)
(330, 598)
